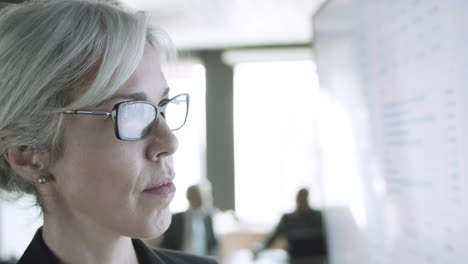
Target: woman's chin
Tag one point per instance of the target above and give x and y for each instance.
(157, 226)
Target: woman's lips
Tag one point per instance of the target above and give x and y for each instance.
(162, 189)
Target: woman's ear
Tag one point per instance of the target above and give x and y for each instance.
(28, 162)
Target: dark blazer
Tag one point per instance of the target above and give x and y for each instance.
(304, 232)
(38, 252)
(173, 238)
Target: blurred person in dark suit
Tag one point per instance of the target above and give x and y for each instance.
(304, 232)
(192, 230)
(8, 261)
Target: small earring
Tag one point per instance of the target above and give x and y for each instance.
(41, 180)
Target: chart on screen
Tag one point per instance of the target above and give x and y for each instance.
(394, 117)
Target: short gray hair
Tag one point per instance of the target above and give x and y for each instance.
(58, 55)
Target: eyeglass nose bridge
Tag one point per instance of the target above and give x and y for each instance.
(160, 110)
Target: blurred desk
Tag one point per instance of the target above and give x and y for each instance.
(236, 241)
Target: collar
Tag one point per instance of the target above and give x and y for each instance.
(38, 252)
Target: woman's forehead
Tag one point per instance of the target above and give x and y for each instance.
(148, 77)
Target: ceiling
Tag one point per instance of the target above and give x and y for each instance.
(208, 24)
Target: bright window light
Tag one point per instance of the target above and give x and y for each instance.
(189, 160)
(19, 222)
(274, 132)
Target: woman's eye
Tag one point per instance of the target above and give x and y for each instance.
(163, 102)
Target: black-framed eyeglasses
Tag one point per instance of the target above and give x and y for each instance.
(136, 120)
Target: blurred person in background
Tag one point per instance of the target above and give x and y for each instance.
(192, 230)
(83, 129)
(304, 233)
(8, 261)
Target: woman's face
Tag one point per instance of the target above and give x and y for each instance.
(101, 181)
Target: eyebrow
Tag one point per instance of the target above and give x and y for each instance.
(133, 96)
(166, 92)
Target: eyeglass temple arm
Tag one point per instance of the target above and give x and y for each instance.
(81, 112)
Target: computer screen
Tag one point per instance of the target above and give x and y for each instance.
(394, 118)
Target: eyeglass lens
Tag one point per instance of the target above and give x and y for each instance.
(136, 120)
(176, 112)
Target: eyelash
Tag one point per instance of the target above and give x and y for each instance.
(163, 101)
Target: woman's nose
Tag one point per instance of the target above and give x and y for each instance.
(163, 141)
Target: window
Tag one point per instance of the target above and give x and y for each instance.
(19, 222)
(274, 132)
(190, 158)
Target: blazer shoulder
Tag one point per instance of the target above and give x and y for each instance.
(172, 256)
